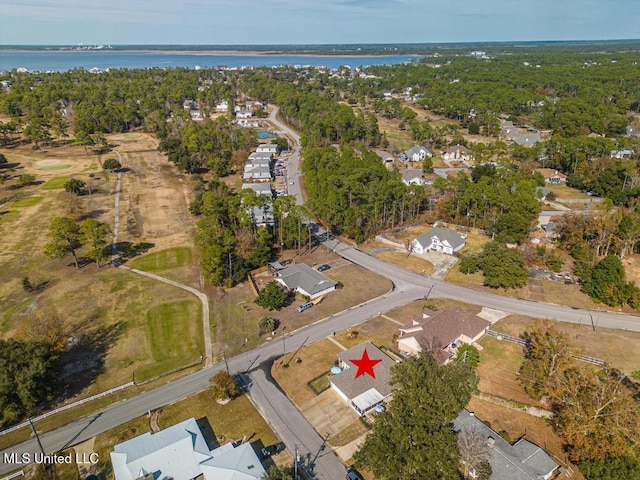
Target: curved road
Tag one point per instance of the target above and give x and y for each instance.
(275, 406)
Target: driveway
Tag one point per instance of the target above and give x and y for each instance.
(441, 262)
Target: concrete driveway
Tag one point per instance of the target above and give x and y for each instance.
(441, 262)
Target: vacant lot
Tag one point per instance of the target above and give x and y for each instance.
(613, 346)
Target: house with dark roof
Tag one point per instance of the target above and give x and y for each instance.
(444, 332)
(181, 452)
(364, 392)
(524, 460)
(303, 279)
(440, 240)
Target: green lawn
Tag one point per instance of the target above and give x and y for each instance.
(55, 167)
(55, 183)
(27, 201)
(163, 259)
(7, 216)
(174, 331)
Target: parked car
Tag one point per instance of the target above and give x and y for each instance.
(274, 449)
(353, 474)
(323, 267)
(304, 306)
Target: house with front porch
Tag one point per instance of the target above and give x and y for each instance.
(440, 240)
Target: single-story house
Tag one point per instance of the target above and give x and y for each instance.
(257, 174)
(445, 332)
(417, 153)
(552, 176)
(457, 152)
(364, 392)
(259, 188)
(180, 452)
(243, 122)
(301, 278)
(440, 240)
(526, 139)
(268, 148)
(524, 460)
(412, 176)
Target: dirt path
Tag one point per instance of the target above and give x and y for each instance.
(116, 225)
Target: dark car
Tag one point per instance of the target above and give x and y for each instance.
(352, 474)
(323, 267)
(274, 449)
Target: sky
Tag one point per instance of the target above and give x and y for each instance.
(267, 22)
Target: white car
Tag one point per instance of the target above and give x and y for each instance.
(291, 182)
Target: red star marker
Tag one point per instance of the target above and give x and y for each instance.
(366, 364)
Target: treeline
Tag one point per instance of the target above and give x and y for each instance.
(569, 93)
(355, 194)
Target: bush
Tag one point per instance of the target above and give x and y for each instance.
(26, 179)
(224, 386)
(74, 185)
(111, 164)
(272, 296)
(267, 324)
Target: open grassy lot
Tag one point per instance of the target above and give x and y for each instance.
(55, 183)
(316, 359)
(412, 263)
(613, 346)
(26, 202)
(562, 191)
(232, 421)
(105, 311)
(163, 259)
(377, 330)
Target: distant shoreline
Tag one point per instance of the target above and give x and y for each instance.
(216, 53)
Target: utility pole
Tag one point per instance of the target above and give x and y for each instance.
(296, 459)
(224, 357)
(49, 470)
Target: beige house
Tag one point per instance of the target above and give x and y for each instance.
(443, 332)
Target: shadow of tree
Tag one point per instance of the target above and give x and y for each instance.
(84, 360)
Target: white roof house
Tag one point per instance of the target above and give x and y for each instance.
(257, 174)
(223, 106)
(267, 147)
(244, 114)
(440, 240)
(180, 452)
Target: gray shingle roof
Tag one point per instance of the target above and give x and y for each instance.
(305, 278)
(353, 387)
(522, 461)
(454, 238)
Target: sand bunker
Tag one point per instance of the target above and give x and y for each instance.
(48, 161)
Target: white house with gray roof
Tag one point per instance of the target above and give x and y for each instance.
(440, 240)
(301, 278)
(181, 452)
(412, 176)
(523, 460)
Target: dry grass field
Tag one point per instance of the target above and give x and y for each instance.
(105, 311)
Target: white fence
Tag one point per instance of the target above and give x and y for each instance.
(67, 407)
(14, 475)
